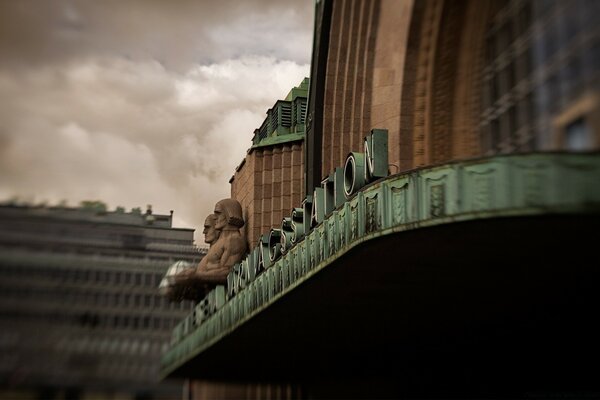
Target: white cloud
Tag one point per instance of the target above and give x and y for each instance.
(133, 133)
(140, 101)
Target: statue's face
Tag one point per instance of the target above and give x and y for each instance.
(210, 233)
(221, 217)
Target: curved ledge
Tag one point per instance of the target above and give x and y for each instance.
(506, 186)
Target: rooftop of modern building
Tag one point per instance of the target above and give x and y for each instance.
(90, 211)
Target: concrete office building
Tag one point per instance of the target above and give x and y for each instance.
(80, 314)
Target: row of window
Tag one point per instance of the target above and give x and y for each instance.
(112, 345)
(135, 322)
(81, 296)
(91, 320)
(81, 254)
(82, 276)
(127, 371)
(107, 369)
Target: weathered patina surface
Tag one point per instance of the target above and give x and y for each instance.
(474, 190)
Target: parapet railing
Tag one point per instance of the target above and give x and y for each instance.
(513, 185)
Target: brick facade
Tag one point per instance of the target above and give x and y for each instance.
(269, 183)
(411, 67)
(347, 108)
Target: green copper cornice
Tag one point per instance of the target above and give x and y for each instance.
(273, 140)
(490, 188)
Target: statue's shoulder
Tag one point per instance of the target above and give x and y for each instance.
(218, 247)
(240, 242)
(234, 241)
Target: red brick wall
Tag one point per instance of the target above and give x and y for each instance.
(388, 74)
(268, 184)
(411, 67)
(348, 83)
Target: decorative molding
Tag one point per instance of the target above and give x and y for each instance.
(392, 205)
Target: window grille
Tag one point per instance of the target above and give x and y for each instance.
(262, 132)
(286, 114)
(274, 120)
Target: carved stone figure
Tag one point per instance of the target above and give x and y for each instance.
(211, 234)
(227, 247)
(230, 248)
(176, 284)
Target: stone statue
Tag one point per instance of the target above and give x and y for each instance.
(227, 247)
(211, 234)
(176, 284)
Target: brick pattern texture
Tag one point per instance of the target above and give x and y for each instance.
(268, 184)
(348, 83)
(412, 67)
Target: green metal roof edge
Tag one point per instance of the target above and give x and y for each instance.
(566, 179)
(270, 141)
(299, 91)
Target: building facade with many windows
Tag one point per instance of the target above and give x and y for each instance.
(79, 306)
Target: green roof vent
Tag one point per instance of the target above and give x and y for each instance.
(286, 116)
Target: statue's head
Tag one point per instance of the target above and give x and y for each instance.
(210, 233)
(229, 215)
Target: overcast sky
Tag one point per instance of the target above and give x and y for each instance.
(141, 102)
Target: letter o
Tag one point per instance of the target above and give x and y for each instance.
(354, 178)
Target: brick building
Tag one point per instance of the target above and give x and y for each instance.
(452, 80)
(462, 272)
(269, 181)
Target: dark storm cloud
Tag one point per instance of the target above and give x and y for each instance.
(140, 102)
(174, 33)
